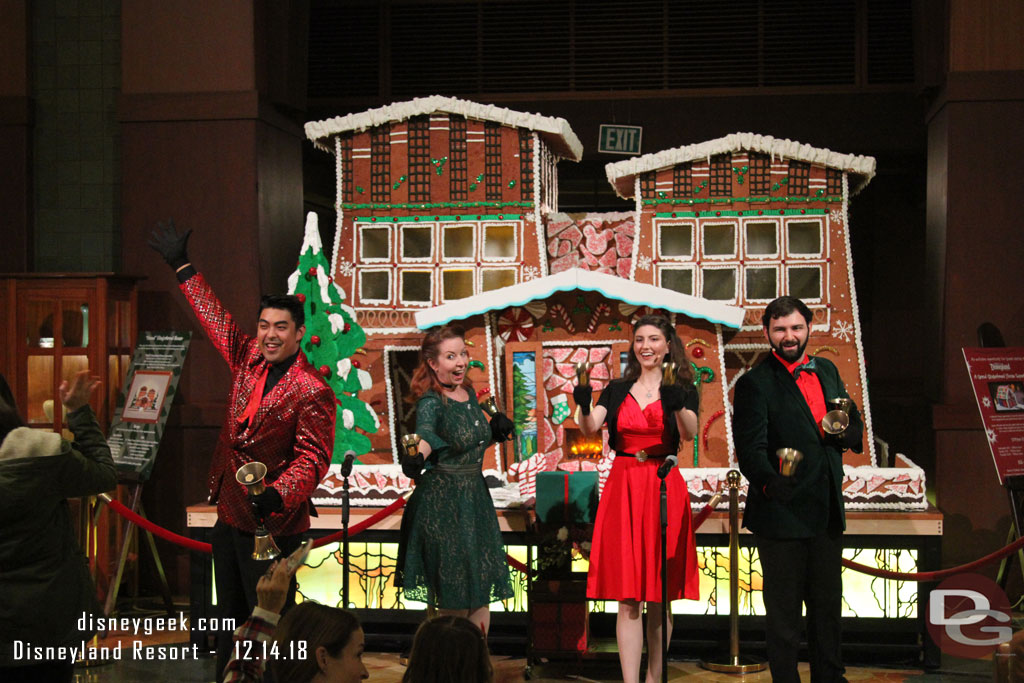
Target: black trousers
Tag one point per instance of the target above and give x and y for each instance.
(797, 572)
(235, 577)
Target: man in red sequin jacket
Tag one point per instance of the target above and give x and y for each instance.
(280, 413)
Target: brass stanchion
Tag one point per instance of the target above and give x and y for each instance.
(735, 663)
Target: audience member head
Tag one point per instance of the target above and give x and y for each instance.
(9, 420)
(449, 649)
(333, 642)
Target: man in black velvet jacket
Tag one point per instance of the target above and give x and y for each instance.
(797, 521)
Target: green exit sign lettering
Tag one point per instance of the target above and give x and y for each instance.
(620, 139)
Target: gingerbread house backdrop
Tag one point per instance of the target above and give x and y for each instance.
(447, 212)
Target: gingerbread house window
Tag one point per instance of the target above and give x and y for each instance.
(677, 279)
(417, 286)
(417, 242)
(719, 240)
(380, 163)
(833, 182)
(681, 179)
(458, 158)
(647, 185)
(675, 240)
(719, 284)
(721, 175)
(492, 159)
(804, 282)
(761, 284)
(458, 243)
(496, 278)
(419, 159)
(759, 175)
(375, 286)
(525, 164)
(456, 283)
(499, 241)
(804, 238)
(761, 239)
(799, 178)
(374, 243)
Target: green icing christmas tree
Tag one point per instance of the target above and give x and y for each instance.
(332, 337)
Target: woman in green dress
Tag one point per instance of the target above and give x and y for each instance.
(453, 558)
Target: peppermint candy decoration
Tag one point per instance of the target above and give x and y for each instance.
(515, 324)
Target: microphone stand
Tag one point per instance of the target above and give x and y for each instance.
(346, 470)
(664, 582)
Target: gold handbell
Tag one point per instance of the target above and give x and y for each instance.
(490, 406)
(251, 476)
(583, 373)
(411, 442)
(790, 458)
(668, 372)
(843, 404)
(835, 422)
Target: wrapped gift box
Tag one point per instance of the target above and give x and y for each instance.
(558, 616)
(567, 497)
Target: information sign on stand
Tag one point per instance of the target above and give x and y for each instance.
(145, 401)
(997, 375)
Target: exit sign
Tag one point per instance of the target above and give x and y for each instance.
(620, 139)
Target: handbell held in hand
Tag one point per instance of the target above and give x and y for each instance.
(411, 444)
(251, 476)
(835, 422)
(789, 458)
(489, 405)
(668, 372)
(583, 373)
(843, 404)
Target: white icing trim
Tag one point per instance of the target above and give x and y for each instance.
(621, 173)
(391, 330)
(540, 229)
(611, 286)
(595, 216)
(602, 343)
(339, 196)
(855, 311)
(638, 213)
(726, 406)
(556, 130)
(389, 392)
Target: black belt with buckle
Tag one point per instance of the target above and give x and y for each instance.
(640, 456)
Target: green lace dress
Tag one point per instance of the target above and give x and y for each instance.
(453, 553)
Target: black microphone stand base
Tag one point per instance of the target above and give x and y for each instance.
(737, 664)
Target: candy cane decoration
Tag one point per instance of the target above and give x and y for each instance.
(599, 310)
(563, 315)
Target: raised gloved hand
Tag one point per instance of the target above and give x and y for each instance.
(780, 488)
(268, 502)
(583, 394)
(166, 241)
(673, 397)
(502, 428)
(411, 467)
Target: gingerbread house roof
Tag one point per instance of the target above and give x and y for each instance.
(620, 289)
(621, 174)
(555, 131)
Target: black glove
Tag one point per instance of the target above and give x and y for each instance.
(583, 394)
(780, 488)
(673, 397)
(411, 467)
(502, 428)
(268, 502)
(169, 244)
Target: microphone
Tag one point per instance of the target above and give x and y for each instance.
(670, 463)
(346, 464)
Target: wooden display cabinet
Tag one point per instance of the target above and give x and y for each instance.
(58, 324)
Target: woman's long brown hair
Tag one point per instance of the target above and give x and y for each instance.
(424, 379)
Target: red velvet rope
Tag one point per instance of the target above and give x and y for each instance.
(942, 573)
(363, 525)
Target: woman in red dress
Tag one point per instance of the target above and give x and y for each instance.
(642, 414)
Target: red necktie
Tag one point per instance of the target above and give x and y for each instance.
(255, 398)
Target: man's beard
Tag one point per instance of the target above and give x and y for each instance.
(791, 355)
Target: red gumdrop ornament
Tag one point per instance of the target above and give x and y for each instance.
(345, 329)
(356, 364)
(325, 371)
(698, 352)
(315, 340)
(311, 272)
(301, 298)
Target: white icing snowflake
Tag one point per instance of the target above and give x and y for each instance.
(530, 273)
(346, 268)
(836, 215)
(844, 330)
(986, 401)
(643, 262)
(991, 433)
